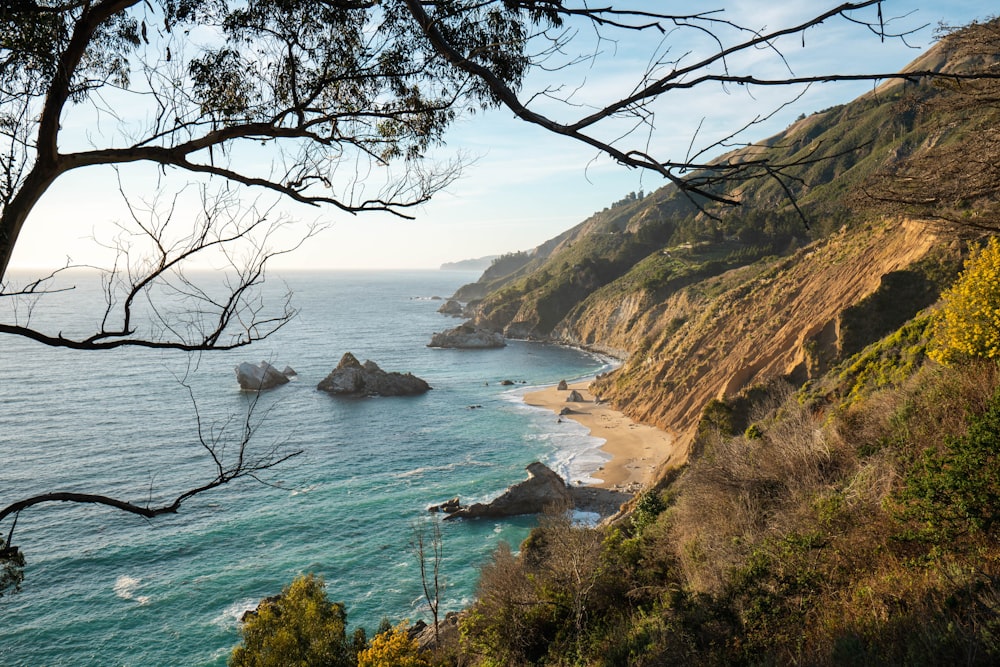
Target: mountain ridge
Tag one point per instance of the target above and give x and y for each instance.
(637, 279)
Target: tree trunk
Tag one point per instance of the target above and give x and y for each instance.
(17, 210)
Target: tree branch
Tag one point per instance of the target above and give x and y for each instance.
(243, 465)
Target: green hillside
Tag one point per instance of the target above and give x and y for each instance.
(823, 166)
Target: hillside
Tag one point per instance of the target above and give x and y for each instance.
(704, 300)
(829, 352)
(841, 501)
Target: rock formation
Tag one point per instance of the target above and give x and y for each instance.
(263, 376)
(562, 386)
(451, 505)
(351, 378)
(542, 489)
(575, 397)
(453, 308)
(468, 337)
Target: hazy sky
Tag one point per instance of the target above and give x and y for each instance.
(525, 185)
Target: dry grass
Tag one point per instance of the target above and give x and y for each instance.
(795, 531)
(744, 490)
(779, 546)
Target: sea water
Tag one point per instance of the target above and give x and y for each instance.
(107, 588)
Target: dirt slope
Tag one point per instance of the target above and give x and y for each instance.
(741, 328)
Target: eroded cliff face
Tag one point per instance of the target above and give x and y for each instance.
(714, 338)
(705, 300)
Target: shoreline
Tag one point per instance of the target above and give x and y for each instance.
(636, 450)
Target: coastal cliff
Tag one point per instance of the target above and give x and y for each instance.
(703, 301)
(834, 378)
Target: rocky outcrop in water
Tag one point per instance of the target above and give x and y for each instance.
(453, 308)
(467, 337)
(542, 489)
(261, 377)
(352, 378)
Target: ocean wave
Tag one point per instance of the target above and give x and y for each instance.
(448, 467)
(586, 518)
(231, 615)
(578, 465)
(125, 587)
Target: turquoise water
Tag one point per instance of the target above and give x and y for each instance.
(105, 588)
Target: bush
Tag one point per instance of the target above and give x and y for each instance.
(649, 506)
(393, 648)
(299, 627)
(957, 490)
(968, 325)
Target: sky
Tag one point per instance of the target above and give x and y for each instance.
(523, 185)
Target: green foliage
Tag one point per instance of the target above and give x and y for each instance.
(543, 606)
(393, 648)
(956, 488)
(717, 416)
(649, 506)
(301, 628)
(968, 325)
(885, 364)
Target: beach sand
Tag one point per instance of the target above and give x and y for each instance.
(636, 450)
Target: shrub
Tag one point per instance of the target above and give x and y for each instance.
(393, 648)
(299, 627)
(649, 506)
(968, 325)
(958, 489)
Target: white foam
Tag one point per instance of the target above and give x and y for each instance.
(231, 615)
(586, 518)
(576, 454)
(423, 470)
(125, 587)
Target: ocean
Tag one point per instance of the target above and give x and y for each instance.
(107, 588)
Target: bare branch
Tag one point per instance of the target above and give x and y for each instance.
(148, 293)
(228, 468)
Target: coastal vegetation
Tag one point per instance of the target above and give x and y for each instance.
(836, 386)
(316, 105)
(840, 497)
(969, 324)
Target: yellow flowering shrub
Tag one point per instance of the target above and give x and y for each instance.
(968, 324)
(393, 648)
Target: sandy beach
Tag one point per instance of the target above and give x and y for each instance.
(636, 450)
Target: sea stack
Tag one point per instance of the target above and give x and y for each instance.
(468, 337)
(261, 377)
(352, 378)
